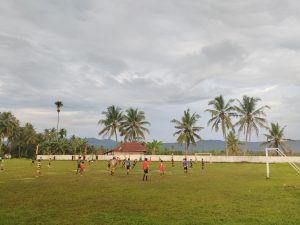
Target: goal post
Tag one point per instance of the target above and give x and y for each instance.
(281, 154)
(205, 154)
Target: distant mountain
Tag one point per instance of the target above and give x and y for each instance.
(204, 145)
(106, 143)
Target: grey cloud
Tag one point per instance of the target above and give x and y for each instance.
(163, 56)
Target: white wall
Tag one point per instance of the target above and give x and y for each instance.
(206, 158)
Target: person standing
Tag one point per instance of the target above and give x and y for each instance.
(78, 164)
(82, 168)
(185, 165)
(161, 168)
(113, 165)
(39, 168)
(146, 169)
(128, 165)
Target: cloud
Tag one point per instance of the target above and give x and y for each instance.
(162, 57)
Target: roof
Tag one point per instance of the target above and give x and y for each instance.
(130, 147)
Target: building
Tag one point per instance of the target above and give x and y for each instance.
(129, 148)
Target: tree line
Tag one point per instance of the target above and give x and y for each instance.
(131, 126)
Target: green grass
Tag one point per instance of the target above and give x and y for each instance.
(232, 193)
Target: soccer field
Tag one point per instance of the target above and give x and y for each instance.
(222, 193)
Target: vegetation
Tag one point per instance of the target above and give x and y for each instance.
(233, 145)
(111, 122)
(221, 116)
(187, 129)
(275, 137)
(133, 125)
(153, 147)
(251, 117)
(58, 104)
(222, 193)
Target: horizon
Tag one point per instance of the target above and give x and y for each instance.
(160, 57)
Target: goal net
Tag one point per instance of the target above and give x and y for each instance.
(280, 153)
(206, 154)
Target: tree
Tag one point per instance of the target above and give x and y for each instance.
(275, 137)
(8, 127)
(132, 126)
(154, 146)
(58, 104)
(49, 134)
(29, 137)
(112, 122)
(251, 118)
(221, 116)
(62, 133)
(232, 143)
(186, 129)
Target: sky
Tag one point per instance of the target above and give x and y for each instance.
(161, 57)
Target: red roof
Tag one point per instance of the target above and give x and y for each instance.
(130, 147)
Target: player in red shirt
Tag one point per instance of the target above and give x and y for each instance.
(162, 168)
(146, 169)
(82, 168)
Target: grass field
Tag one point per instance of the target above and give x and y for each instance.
(232, 193)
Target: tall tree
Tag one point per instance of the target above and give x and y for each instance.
(250, 117)
(133, 126)
(8, 126)
(111, 122)
(58, 104)
(187, 129)
(221, 114)
(275, 137)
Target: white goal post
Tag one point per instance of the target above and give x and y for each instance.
(292, 164)
(205, 154)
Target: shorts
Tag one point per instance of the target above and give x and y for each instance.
(185, 168)
(145, 171)
(128, 167)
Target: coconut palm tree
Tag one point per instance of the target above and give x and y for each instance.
(133, 125)
(111, 122)
(221, 116)
(250, 117)
(275, 137)
(186, 129)
(232, 143)
(58, 104)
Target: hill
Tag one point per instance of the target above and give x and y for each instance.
(202, 146)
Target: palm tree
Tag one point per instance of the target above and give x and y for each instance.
(9, 125)
(275, 137)
(132, 127)
(112, 122)
(58, 104)
(154, 146)
(221, 116)
(232, 143)
(186, 129)
(251, 118)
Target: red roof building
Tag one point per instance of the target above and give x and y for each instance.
(129, 148)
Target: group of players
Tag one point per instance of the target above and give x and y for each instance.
(112, 164)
